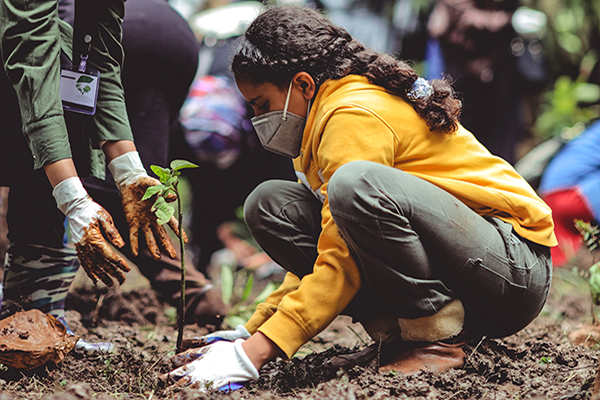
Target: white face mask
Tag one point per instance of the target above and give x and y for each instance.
(280, 131)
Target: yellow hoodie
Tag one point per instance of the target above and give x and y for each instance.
(350, 120)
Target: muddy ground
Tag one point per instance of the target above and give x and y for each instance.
(556, 357)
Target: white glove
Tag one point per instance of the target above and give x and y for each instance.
(132, 180)
(127, 168)
(240, 332)
(85, 217)
(219, 336)
(221, 365)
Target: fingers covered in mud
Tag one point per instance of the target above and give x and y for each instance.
(109, 228)
(141, 217)
(174, 225)
(98, 259)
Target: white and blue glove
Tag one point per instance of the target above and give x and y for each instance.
(222, 365)
(240, 332)
(219, 336)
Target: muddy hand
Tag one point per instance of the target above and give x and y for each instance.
(132, 180)
(91, 226)
(221, 365)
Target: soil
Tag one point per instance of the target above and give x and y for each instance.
(555, 357)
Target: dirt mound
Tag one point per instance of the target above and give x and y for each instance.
(139, 307)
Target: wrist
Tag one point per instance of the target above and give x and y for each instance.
(260, 350)
(115, 148)
(69, 194)
(60, 170)
(126, 168)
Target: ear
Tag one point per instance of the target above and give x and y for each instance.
(306, 84)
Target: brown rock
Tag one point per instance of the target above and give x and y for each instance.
(30, 339)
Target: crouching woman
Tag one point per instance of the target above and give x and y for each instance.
(400, 219)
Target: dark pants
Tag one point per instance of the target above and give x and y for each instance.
(417, 247)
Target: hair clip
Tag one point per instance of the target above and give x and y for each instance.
(421, 89)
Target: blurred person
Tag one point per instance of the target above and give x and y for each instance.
(474, 38)
(570, 185)
(401, 218)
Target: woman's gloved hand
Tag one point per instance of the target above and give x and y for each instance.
(86, 218)
(132, 180)
(222, 365)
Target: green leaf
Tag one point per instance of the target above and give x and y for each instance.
(248, 287)
(85, 78)
(162, 173)
(158, 203)
(270, 288)
(169, 182)
(151, 191)
(176, 165)
(587, 92)
(226, 283)
(161, 217)
(163, 210)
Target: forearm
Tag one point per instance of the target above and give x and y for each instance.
(115, 148)
(60, 170)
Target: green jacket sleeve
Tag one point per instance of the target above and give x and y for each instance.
(30, 44)
(30, 49)
(107, 56)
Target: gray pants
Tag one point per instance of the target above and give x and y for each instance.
(417, 247)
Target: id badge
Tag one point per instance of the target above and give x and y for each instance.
(79, 89)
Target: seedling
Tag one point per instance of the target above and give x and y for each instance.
(591, 238)
(169, 178)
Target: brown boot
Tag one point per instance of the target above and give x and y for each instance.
(419, 356)
(432, 343)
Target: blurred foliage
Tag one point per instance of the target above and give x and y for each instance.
(570, 103)
(238, 285)
(571, 46)
(573, 32)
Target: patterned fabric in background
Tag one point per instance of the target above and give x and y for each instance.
(214, 120)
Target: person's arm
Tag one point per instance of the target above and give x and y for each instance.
(30, 49)
(60, 170)
(260, 350)
(113, 149)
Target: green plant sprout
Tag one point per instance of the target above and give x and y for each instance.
(591, 239)
(237, 283)
(236, 288)
(169, 178)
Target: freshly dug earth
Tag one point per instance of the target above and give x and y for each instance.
(541, 362)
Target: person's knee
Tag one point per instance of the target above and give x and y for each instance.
(349, 180)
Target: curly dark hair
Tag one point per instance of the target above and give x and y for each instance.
(286, 40)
